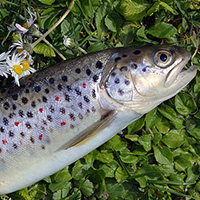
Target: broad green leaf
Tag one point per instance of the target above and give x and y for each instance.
(47, 2)
(134, 10)
(167, 7)
(172, 140)
(145, 141)
(111, 23)
(59, 194)
(163, 126)
(117, 143)
(132, 138)
(195, 132)
(153, 9)
(136, 126)
(184, 104)
(163, 155)
(44, 49)
(115, 191)
(87, 188)
(162, 30)
(167, 112)
(152, 118)
(128, 157)
(120, 175)
(3, 13)
(109, 168)
(90, 158)
(192, 174)
(79, 170)
(104, 156)
(183, 161)
(98, 46)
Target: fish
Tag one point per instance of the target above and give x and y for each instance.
(63, 112)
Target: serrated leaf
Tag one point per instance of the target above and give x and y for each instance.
(120, 175)
(162, 30)
(134, 10)
(105, 157)
(47, 2)
(45, 50)
(117, 143)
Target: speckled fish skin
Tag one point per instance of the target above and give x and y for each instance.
(61, 113)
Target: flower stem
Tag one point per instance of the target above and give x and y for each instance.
(55, 25)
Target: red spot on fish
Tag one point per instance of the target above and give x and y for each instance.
(4, 141)
(63, 123)
(40, 137)
(84, 85)
(16, 123)
(41, 110)
(57, 98)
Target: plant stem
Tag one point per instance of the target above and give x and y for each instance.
(55, 25)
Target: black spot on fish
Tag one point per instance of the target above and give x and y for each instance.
(124, 68)
(94, 93)
(78, 70)
(95, 78)
(49, 118)
(51, 80)
(69, 88)
(15, 146)
(5, 121)
(86, 99)
(124, 55)
(32, 139)
(21, 113)
(43, 147)
(11, 115)
(51, 108)
(44, 99)
(72, 117)
(11, 134)
(59, 87)
(64, 78)
(121, 92)
(113, 74)
(71, 126)
(67, 98)
(134, 66)
(137, 52)
(144, 69)
(28, 125)
(2, 129)
(93, 109)
(27, 91)
(22, 134)
(33, 104)
(99, 64)
(44, 122)
(15, 97)
(80, 116)
(6, 105)
(80, 105)
(62, 110)
(37, 88)
(88, 72)
(117, 81)
(29, 114)
(127, 82)
(14, 107)
(117, 59)
(46, 91)
(78, 92)
(24, 100)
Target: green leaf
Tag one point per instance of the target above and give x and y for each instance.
(111, 23)
(109, 168)
(136, 126)
(145, 141)
(120, 175)
(163, 155)
(167, 7)
(79, 170)
(184, 104)
(172, 140)
(98, 46)
(105, 157)
(87, 188)
(117, 143)
(152, 118)
(167, 112)
(162, 30)
(47, 2)
(134, 10)
(153, 9)
(3, 13)
(163, 126)
(128, 157)
(183, 161)
(44, 49)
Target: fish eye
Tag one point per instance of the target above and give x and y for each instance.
(163, 58)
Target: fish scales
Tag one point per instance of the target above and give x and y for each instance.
(61, 113)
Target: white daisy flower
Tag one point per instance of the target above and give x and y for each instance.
(69, 42)
(19, 67)
(3, 65)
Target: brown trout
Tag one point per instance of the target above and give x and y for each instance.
(62, 113)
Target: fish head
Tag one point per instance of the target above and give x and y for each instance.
(141, 78)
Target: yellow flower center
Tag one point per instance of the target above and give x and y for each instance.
(18, 69)
(20, 50)
(25, 25)
(25, 65)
